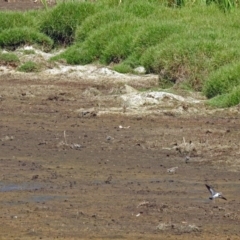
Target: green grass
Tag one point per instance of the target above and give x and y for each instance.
(61, 22)
(104, 50)
(96, 21)
(185, 60)
(226, 100)
(28, 67)
(28, 51)
(74, 55)
(140, 8)
(16, 19)
(15, 37)
(122, 68)
(9, 59)
(189, 44)
(223, 80)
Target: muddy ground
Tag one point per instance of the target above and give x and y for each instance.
(20, 5)
(68, 171)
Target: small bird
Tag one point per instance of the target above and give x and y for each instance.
(214, 194)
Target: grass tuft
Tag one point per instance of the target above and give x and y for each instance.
(140, 8)
(28, 51)
(28, 67)
(74, 55)
(16, 19)
(222, 81)
(15, 37)
(96, 21)
(102, 45)
(61, 22)
(226, 100)
(123, 68)
(153, 33)
(9, 59)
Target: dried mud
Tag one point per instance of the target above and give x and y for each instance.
(19, 5)
(68, 174)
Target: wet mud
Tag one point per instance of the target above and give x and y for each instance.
(70, 176)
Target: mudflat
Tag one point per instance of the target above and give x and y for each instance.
(19, 5)
(68, 173)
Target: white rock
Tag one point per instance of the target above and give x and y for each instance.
(140, 70)
(152, 98)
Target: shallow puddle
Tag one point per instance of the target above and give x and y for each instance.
(10, 187)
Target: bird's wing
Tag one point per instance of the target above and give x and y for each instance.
(210, 189)
(223, 198)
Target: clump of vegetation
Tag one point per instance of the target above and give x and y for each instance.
(28, 51)
(29, 67)
(226, 100)
(115, 35)
(16, 19)
(120, 46)
(180, 61)
(61, 22)
(74, 55)
(225, 5)
(15, 37)
(9, 59)
(96, 21)
(223, 80)
(122, 68)
(153, 33)
(141, 8)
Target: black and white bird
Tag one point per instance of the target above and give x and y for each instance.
(214, 194)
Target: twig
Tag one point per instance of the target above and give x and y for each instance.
(184, 141)
(65, 137)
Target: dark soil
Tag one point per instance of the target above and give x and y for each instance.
(20, 5)
(113, 183)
